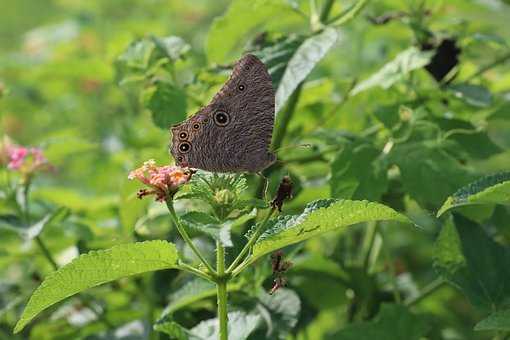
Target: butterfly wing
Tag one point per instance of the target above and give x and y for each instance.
(233, 132)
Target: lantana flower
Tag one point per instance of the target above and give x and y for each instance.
(163, 181)
(25, 160)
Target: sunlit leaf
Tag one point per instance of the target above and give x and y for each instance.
(320, 217)
(240, 326)
(276, 56)
(137, 54)
(311, 51)
(174, 47)
(96, 268)
(284, 307)
(492, 189)
(395, 70)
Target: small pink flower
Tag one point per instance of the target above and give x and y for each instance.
(17, 155)
(163, 181)
(22, 159)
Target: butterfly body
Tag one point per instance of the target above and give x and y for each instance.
(233, 132)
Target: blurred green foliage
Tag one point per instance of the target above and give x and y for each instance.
(404, 104)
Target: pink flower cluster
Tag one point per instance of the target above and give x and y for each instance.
(163, 181)
(20, 155)
(23, 159)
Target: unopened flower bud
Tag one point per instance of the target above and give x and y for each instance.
(224, 197)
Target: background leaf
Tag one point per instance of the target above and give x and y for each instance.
(320, 217)
(241, 18)
(395, 70)
(96, 268)
(240, 326)
(475, 95)
(497, 321)
(474, 263)
(167, 104)
(393, 322)
(492, 189)
(357, 173)
(311, 51)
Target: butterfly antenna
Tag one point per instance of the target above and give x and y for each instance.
(304, 145)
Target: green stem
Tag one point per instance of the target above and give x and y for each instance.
(393, 275)
(221, 288)
(46, 252)
(348, 14)
(26, 208)
(26, 215)
(326, 9)
(185, 236)
(254, 237)
(190, 269)
(368, 244)
(222, 309)
(426, 291)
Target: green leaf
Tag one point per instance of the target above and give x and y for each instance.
(350, 13)
(95, 268)
(492, 189)
(209, 225)
(403, 64)
(276, 56)
(240, 326)
(423, 165)
(497, 321)
(356, 173)
(137, 55)
(471, 261)
(241, 18)
(475, 95)
(34, 230)
(167, 104)
(394, 322)
(173, 329)
(172, 46)
(320, 217)
(193, 291)
(131, 208)
(221, 191)
(67, 144)
(284, 308)
(475, 142)
(311, 51)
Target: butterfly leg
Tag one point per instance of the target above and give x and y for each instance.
(265, 186)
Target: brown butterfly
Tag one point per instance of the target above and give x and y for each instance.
(233, 132)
